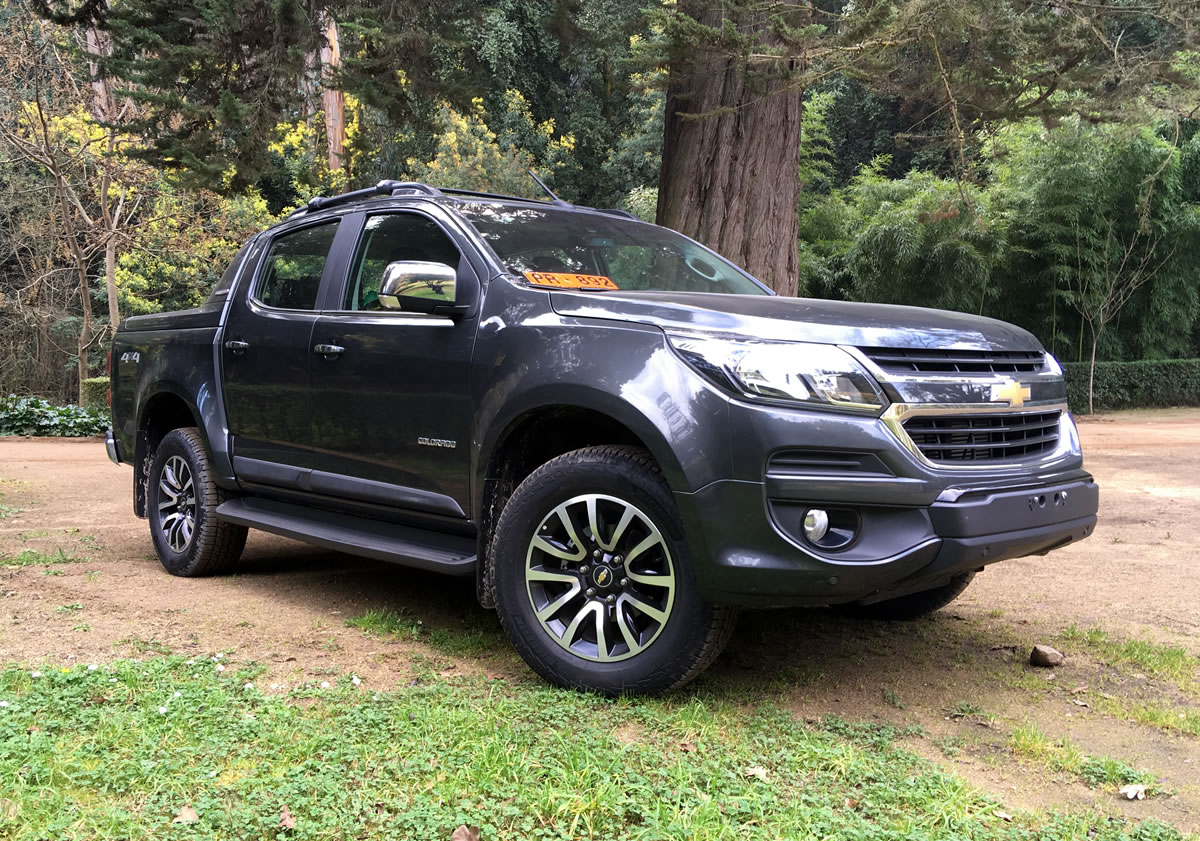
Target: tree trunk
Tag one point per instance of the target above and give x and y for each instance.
(104, 109)
(1092, 375)
(731, 155)
(333, 100)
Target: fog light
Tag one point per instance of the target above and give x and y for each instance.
(816, 524)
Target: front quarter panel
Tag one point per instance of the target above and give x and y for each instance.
(535, 359)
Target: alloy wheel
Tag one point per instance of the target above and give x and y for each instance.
(600, 578)
(177, 503)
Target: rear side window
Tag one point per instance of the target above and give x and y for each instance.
(226, 282)
(291, 272)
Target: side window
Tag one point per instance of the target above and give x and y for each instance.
(386, 239)
(226, 282)
(291, 273)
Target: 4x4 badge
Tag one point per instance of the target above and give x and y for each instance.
(1011, 392)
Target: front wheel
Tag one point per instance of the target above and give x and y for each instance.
(594, 584)
(181, 503)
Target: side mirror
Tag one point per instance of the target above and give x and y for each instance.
(418, 286)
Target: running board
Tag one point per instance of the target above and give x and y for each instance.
(413, 547)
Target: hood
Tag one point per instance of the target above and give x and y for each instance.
(777, 318)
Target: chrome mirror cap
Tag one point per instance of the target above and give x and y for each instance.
(417, 286)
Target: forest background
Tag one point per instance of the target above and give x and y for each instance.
(1037, 162)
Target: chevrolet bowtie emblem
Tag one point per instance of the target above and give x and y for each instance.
(1011, 392)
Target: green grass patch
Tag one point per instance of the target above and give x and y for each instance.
(32, 557)
(119, 750)
(1167, 662)
(386, 623)
(1027, 741)
(1172, 719)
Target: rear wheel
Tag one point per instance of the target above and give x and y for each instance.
(914, 605)
(181, 503)
(594, 584)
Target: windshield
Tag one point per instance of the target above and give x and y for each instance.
(599, 252)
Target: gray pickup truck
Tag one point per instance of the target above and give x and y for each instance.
(623, 437)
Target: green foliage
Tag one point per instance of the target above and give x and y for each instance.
(32, 557)
(518, 760)
(386, 622)
(1135, 385)
(95, 394)
(917, 240)
(34, 416)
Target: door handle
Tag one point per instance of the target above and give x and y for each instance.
(236, 346)
(329, 350)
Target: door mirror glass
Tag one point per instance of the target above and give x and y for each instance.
(417, 286)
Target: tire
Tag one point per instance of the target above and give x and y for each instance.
(914, 605)
(609, 623)
(181, 504)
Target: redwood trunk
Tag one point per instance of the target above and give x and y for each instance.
(731, 156)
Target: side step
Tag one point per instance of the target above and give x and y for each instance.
(434, 551)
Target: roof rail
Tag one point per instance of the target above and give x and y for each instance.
(386, 187)
(455, 191)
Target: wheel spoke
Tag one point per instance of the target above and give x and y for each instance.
(626, 631)
(601, 642)
(667, 582)
(637, 604)
(565, 517)
(558, 604)
(536, 574)
(572, 630)
(557, 551)
(619, 532)
(170, 492)
(594, 522)
(652, 540)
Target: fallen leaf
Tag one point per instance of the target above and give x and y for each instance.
(1079, 703)
(1134, 791)
(1079, 689)
(756, 771)
(687, 747)
(286, 819)
(465, 833)
(186, 815)
(851, 803)
(1004, 816)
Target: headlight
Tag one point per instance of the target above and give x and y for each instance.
(792, 372)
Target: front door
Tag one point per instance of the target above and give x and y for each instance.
(266, 348)
(393, 423)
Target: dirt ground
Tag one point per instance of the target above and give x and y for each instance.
(1138, 577)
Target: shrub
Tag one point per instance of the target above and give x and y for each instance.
(95, 394)
(1135, 385)
(35, 416)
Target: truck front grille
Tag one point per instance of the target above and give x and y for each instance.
(905, 361)
(998, 437)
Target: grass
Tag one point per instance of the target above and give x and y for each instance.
(473, 638)
(1167, 662)
(1027, 741)
(32, 557)
(1172, 719)
(119, 750)
(387, 623)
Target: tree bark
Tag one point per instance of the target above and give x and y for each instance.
(731, 154)
(333, 100)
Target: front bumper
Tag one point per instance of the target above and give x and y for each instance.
(746, 553)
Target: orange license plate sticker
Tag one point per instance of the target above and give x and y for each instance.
(566, 280)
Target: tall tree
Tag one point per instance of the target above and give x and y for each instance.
(738, 70)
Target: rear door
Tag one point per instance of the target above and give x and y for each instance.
(266, 356)
(393, 423)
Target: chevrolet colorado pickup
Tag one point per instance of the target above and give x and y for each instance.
(622, 436)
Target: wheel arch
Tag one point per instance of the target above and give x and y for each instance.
(168, 407)
(541, 432)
